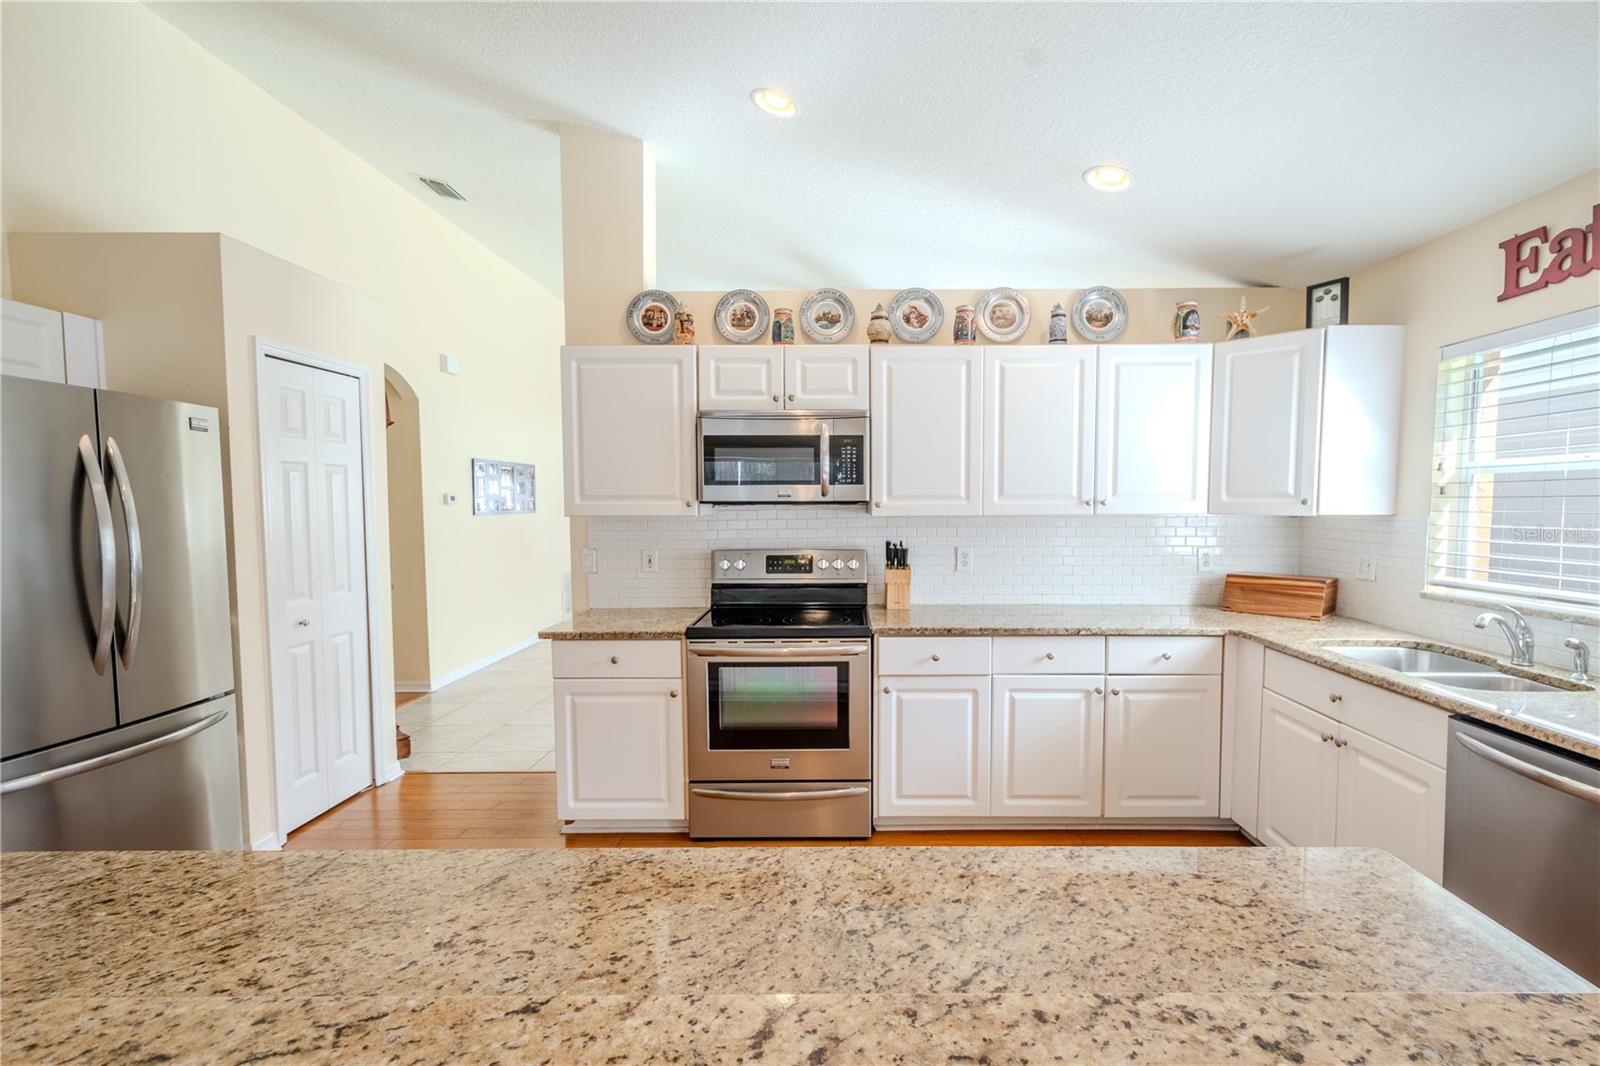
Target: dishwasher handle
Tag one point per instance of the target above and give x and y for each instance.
(1538, 774)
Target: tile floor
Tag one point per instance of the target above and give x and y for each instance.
(498, 719)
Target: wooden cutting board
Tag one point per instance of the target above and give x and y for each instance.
(1283, 595)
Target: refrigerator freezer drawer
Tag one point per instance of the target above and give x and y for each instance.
(170, 783)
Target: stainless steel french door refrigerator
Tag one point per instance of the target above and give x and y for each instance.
(118, 728)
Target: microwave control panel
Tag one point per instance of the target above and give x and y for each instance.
(846, 458)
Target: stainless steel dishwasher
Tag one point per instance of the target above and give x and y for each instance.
(1522, 839)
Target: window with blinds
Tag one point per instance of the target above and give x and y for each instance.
(1516, 495)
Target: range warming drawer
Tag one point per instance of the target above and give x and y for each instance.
(780, 809)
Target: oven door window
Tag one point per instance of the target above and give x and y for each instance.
(762, 706)
(762, 460)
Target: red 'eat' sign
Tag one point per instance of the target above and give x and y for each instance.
(1572, 254)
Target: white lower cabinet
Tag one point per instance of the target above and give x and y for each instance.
(1324, 782)
(933, 746)
(619, 749)
(1298, 801)
(1163, 746)
(1047, 748)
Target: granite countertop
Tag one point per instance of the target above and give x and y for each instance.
(625, 623)
(1568, 719)
(794, 955)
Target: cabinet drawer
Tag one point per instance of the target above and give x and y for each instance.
(1049, 655)
(1409, 725)
(617, 658)
(1163, 655)
(933, 655)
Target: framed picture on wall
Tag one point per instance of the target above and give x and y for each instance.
(500, 487)
(1328, 304)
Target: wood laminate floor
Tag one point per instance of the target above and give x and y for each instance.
(518, 810)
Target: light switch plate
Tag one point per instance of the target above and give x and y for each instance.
(1367, 568)
(591, 561)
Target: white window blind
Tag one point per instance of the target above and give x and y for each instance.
(1516, 495)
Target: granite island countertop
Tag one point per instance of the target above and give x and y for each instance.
(811, 954)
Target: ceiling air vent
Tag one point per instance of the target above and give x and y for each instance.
(444, 189)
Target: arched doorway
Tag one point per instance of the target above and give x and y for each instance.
(408, 587)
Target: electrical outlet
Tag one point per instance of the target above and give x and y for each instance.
(648, 563)
(1205, 560)
(964, 560)
(1367, 568)
(591, 561)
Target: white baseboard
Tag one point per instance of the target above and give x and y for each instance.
(392, 772)
(470, 668)
(267, 842)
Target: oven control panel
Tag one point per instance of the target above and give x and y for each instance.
(804, 565)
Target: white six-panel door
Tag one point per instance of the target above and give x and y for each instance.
(825, 377)
(1153, 429)
(740, 377)
(1047, 746)
(933, 746)
(927, 430)
(317, 586)
(1298, 801)
(1039, 430)
(1266, 420)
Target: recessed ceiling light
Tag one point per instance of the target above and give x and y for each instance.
(1107, 177)
(773, 102)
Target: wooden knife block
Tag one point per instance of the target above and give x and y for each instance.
(897, 589)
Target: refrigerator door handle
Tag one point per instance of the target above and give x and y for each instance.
(44, 777)
(106, 539)
(130, 519)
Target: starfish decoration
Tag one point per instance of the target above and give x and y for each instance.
(1242, 323)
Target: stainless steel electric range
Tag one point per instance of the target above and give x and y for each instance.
(779, 712)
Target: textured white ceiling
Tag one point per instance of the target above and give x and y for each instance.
(941, 144)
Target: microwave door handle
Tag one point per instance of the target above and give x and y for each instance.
(826, 457)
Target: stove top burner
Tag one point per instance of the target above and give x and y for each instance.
(759, 594)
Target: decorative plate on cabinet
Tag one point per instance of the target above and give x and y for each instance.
(1003, 314)
(1100, 314)
(741, 316)
(827, 316)
(650, 316)
(915, 315)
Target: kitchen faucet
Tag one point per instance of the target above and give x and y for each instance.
(1519, 634)
(1580, 658)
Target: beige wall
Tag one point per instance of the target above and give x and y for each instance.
(1445, 291)
(114, 122)
(408, 577)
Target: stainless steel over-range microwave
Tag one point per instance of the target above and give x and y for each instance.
(783, 459)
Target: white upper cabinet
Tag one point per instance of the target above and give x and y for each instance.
(741, 377)
(47, 345)
(1153, 439)
(1039, 423)
(628, 426)
(825, 377)
(1277, 398)
(927, 430)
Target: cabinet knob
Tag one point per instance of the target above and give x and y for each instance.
(1102, 503)
(1088, 503)
(1334, 697)
(302, 622)
(877, 503)
(886, 690)
(1050, 655)
(1166, 655)
(775, 398)
(1116, 692)
(615, 660)
(791, 397)
(936, 658)
(1304, 501)
(1098, 691)
(688, 503)
(1340, 743)
(1326, 737)
(673, 694)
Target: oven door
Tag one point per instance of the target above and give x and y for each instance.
(763, 710)
(783, 460)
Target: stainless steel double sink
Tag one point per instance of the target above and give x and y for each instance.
(1440, 668)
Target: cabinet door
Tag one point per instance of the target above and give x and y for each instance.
(1266, 419)
(31, 342)
(619, 749)
(1047, 746)
(628, 430)
(739, 377)
(1299, 786)
(832, 378)
(1039, 429)
(1153, 429)
(1391, 800)
(927, 421)
(1244, 662)
(84, 343)
(933, 746)
(1163, 746)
